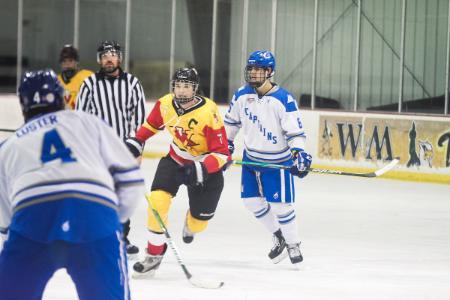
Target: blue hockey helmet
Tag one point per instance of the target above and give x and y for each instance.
(40, 92)
(262, 59)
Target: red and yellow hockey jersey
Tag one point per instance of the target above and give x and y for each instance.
(198, 132)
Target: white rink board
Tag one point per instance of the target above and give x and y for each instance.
(10, 118)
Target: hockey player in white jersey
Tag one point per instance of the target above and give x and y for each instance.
(271, 124)
(66, 184)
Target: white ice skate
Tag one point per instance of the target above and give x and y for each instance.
(148, 266)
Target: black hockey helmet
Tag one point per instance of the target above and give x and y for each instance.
(109, 46)
(69, 51)
(187, 75)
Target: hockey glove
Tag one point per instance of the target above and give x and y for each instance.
(231, 147)
(192, 174)
(135, 146)
(302, 162)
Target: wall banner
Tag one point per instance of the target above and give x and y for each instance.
(419, 144)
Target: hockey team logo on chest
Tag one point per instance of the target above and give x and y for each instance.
(251, 99)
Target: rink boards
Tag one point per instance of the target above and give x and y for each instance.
(350, 141)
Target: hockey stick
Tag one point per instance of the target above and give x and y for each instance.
(7, 130)
(194, 281)
(376, 173)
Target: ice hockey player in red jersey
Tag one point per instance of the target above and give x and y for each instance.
(196, 158)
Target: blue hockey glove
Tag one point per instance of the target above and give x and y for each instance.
(231, 147)
(302, 162)
(135, 146)
(192, 174)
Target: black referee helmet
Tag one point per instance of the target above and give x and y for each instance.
(109, 46)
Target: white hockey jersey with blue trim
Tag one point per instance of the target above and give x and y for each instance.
(271, 124)
(68, 155)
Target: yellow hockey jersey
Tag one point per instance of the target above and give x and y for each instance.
(198, 132)
(73, 86)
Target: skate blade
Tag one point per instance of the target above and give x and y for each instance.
(133, 256)
(280, 257)
(296, 266)
(146, 275)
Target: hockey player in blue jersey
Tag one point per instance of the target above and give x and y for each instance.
(66, 184)
(273, 132)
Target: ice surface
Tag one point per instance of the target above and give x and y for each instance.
(361, 239)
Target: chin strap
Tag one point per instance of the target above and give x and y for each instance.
(183, 100)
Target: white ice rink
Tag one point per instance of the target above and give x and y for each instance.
(361, 239)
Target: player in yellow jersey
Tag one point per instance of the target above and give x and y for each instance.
(71, 76)
(197, 155)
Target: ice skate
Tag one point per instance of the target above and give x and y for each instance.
(294, 253)
(188, 236)
(132, 251)
(278, 252)
(149, 265)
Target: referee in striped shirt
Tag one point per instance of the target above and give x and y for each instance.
(118, 98)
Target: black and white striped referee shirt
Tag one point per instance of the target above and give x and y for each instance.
(119, 101)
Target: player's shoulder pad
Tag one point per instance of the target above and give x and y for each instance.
(166, 99)
(209, 102)
(85, 117)
(5, 144)
(243, 90)
(285, 98)
(85, 73)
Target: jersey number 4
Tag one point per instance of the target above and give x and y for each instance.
(54, 148)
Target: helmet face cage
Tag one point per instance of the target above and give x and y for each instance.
(181, 99)
(259, 59)
(109, 46)
(254, 80)
(40, 91)
(185, 76)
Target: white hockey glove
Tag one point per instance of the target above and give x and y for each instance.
(302, 162)
(192, 174)
(135, 146)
